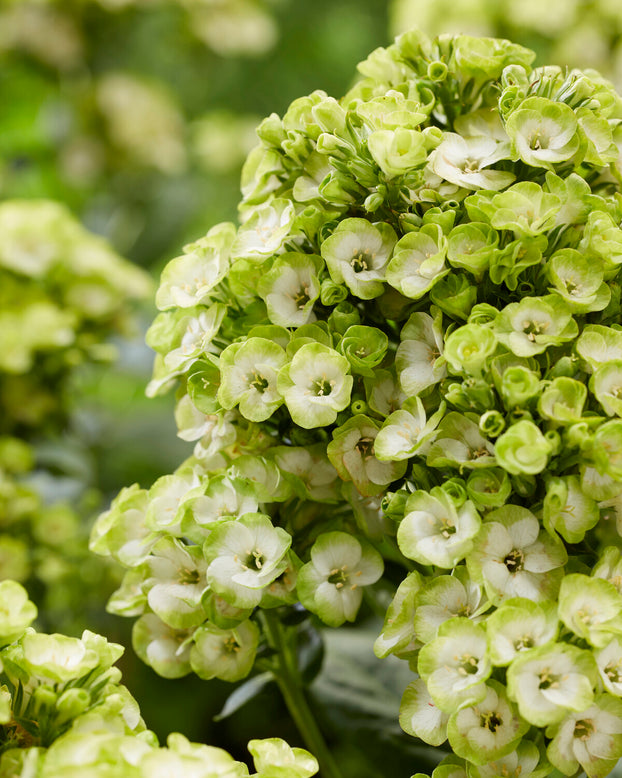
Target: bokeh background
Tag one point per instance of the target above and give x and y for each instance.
(137, 116)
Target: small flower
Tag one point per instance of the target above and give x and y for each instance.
(315, 385)
(519, 625)
(591, 608)
(357, 254)
(162, 647)
(420, 717)
(591, 738)
(514, 557)
(418, 360)
(418, 261)
(543, 132)
(227, 654)
(434, 531)
(463, 161)
(273, 756)
(330, 585)
(244, 556)
(548, 681)
(290, 288)
(265, 231)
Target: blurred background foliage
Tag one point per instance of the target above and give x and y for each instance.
(138, 115)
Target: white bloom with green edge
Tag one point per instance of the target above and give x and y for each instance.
(227, 654)
(463, 161)
(609, 566)
(397, 151)
(222, 498)
(93, 754)
(192, 760)
(352, 454)
(420, 717)
(591, 738)
(175, 583)
(578, 281)
(290, 289)
(567, 509)
(468, 349)
(330, 584)
(597, 345)
(606, 385)
(357, 254)
(446, 597)
(407, 432)
(17, 612)
(487, 730)
(189, 279)
(418, 261)
(274, 758)
(244, 556)
(609, 662)
(313, 476)
(315, 385)
(460, 444)
(163, 648)
(548, 681)
(418, 360)
(121, 532)
(514, 557)
(563, 400)
(56, 658)
(193, 424)
(455, 664)
(543, 132)
(525, 209)
(435, 532)
(519, 625)
(265, 231)
(523, 449)
(591, 608)
(167, 497)
(534, 324)
(198, 333)
(398, 636)
(525, 762)
(248, 377)
(130, 599)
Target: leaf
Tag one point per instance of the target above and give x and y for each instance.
(243, 694)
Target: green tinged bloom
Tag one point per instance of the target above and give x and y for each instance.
(534, 324)
(518, 625)
(464, 162)
(357, 254)
(290, 289)
(227, 654)
(330, 585)
(543, 132)
(17, 612)
(418, 261)
(523, 449)
(591, 608)
(315, 385)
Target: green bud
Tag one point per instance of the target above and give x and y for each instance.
(492, 424)
(523, 449)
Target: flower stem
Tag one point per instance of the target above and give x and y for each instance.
(291, 687)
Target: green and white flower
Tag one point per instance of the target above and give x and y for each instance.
(397, 636)
(519, 625)
(591, 608)
(418, 360)
(455, 664)
(609, 662)
(330, 585)
(548, 681)
(162, 647)
(17, 612)
(523, 449)
(357, 255)
(543, 132)
(463, 161)
(487, 730)
(227, 654)
(435, 532)
(407, 432)
(244, 556)
(249, 377)
(420, 717)
(534, 324)
(591, 738)
(418, 261)
(315, 385)
(290, 289)
(513, 557)
(265, 231)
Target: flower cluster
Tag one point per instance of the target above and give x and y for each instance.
(408, 351)
(63, 711)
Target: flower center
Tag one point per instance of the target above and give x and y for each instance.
(361, 261)
(188, 576)
(365, 446)
(583, 729)
(322, 387)
(338, 576)
(515, 560)
(532, 328)
(523, 643)
(448, 528)
(491, 721)
(548, 680)
(301, 298)
(254, 560)
(259, 383)
(613, 671)
(230, 646)
(468, 665)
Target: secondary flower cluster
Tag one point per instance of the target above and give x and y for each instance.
(409, 350)
(63, 711)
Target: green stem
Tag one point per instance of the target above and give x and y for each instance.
(290, 685)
